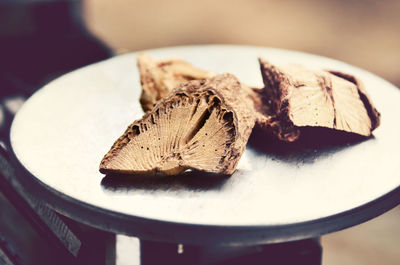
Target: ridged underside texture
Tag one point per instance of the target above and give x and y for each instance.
(299, 97)
(202, 125)
(159, 78)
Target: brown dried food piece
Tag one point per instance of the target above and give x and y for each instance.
(202, 125)
(159, 78)
(297, 97)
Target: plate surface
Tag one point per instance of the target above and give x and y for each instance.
(63, 131)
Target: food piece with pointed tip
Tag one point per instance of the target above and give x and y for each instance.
(159, 78)
(202, 125)
(297, 97)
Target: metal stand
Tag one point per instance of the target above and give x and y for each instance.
(308, 251)
(59, 238)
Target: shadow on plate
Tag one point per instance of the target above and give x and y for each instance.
(313, 143)
(188, 181)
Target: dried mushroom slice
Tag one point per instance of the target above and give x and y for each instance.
(372, 111)
(299, 97)
(159, 78)
(202, 125)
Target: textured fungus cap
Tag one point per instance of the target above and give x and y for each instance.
(299, 97)
(202, 125)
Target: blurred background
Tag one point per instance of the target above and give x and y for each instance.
(41, 39)
(365, 33)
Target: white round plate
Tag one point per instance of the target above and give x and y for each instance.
(62, 132)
